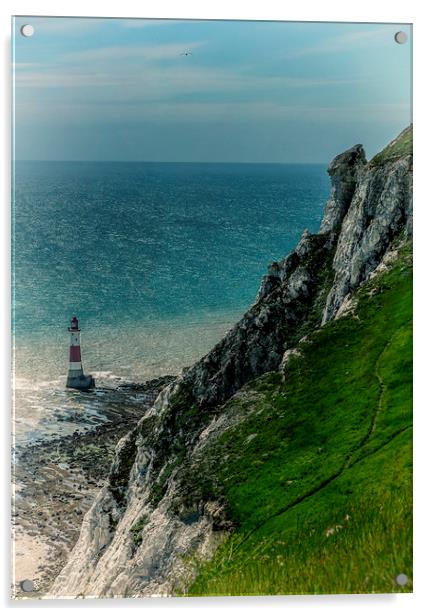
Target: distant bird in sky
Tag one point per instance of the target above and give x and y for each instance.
(186, 53)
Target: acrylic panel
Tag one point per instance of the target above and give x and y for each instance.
(212, 314)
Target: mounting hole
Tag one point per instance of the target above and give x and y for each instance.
(400, 37)
(27, 586)
(27, 30)
(401, 579)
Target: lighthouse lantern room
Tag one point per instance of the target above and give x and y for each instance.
(76, 379)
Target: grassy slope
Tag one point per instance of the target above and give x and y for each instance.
(400, 146)
(318, 476)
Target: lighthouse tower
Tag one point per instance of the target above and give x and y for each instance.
(76, 379)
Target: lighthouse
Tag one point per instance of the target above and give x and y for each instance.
(76, 379)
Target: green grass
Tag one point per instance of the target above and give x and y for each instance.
(328, 447)
(137, 529)
(401, 146)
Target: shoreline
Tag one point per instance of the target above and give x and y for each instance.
(56, 481)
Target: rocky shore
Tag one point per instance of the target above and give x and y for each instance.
(57, 479)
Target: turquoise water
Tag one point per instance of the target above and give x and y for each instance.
(157, 260)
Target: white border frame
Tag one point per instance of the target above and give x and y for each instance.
(395, 11)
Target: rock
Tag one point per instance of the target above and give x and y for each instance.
(287, 358)
(388, 258)
(381, 209)
(344, 171)
(347, 307)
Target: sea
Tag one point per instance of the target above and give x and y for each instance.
(157, 260)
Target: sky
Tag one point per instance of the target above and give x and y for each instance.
(287, 92)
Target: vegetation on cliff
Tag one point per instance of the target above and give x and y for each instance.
(401, 146)
(317, 476)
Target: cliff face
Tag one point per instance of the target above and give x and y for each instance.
(144, 522)
(380, 206)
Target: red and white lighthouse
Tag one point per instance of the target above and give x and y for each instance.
(76, 379)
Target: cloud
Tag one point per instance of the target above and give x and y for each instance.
(26, 65)
(206, 114)
(131, 53)
(141, 78)
(342, 42)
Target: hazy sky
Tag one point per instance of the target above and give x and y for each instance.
(119, 89)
